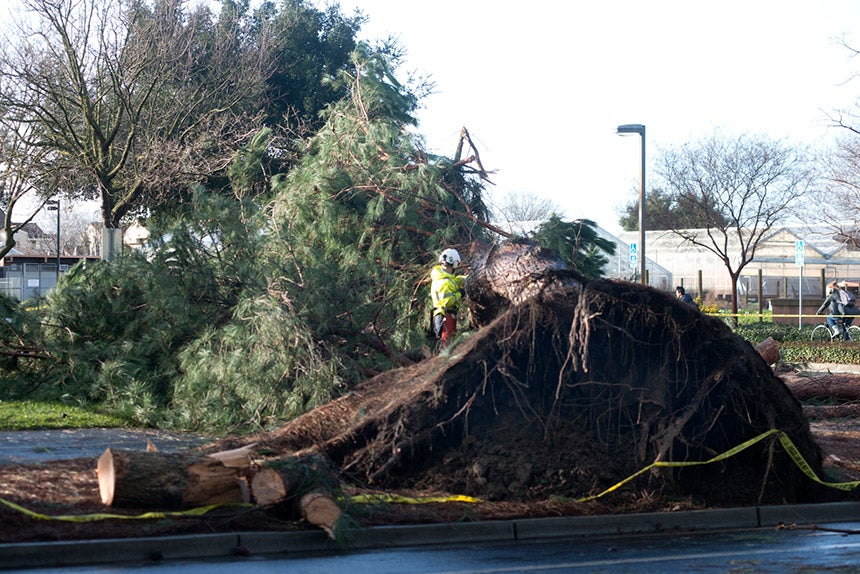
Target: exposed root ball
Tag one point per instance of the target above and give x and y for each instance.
(568, 387)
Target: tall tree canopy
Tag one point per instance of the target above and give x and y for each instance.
(367, 209)
(663, 212)
(19, 180)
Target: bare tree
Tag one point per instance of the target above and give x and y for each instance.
(522, 210)
(837, 204)
(20, 180)
(127, 99)
(75, 218)
(740, 187)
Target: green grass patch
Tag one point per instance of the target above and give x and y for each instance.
(32, 415)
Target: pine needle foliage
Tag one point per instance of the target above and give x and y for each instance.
(118, 326)
(24, 355)
(358, 222)
(260, 368)
(577, 243)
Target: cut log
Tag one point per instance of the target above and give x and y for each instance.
(235, 458)
(272, 486)
(320, 509)
(838, 387)
(146, 479)
(769, 350)
(283, 477)
(822, 412)
(268, 487)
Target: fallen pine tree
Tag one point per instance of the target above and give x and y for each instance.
(567, 387)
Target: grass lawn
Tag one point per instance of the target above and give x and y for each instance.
(31, 415)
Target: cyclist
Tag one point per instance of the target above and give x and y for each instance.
(839, 317)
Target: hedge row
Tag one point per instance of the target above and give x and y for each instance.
(795, 345)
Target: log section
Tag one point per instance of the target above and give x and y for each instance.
(828, 387)
(769, 350)
(136, 479)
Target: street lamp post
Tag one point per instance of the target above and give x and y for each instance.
(639, 129)
(54, 205)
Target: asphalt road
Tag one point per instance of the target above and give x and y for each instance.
(758, 550)
(26, 447)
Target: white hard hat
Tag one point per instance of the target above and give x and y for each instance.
(451, 257)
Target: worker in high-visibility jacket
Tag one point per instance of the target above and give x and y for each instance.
(446, 293)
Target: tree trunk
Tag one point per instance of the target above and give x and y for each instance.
(149, 479)
(821, 412)
(734, 278)
(141, 479)
(830, 387)
(511, 273)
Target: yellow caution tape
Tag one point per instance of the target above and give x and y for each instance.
(397, 499)
(807, 470)
(784, 440)
(104, 516)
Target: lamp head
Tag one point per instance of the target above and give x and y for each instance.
(631, 129)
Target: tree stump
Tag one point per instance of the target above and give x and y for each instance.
(148, 479)
(512, 273)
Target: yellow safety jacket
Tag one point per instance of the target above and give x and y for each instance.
(446, 290)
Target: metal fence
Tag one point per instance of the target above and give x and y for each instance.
(752, 288)
(24, 281)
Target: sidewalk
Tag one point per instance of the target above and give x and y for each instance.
(157, 549)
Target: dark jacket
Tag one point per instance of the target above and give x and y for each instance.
(835, 307)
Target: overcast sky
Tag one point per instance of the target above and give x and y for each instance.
(543, 85)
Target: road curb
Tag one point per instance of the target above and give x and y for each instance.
(208, 546)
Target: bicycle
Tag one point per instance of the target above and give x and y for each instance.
(825, 333)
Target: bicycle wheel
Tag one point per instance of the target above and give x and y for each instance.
(821, 333)
(854, 333)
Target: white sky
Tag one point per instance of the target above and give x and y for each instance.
(543, 85)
